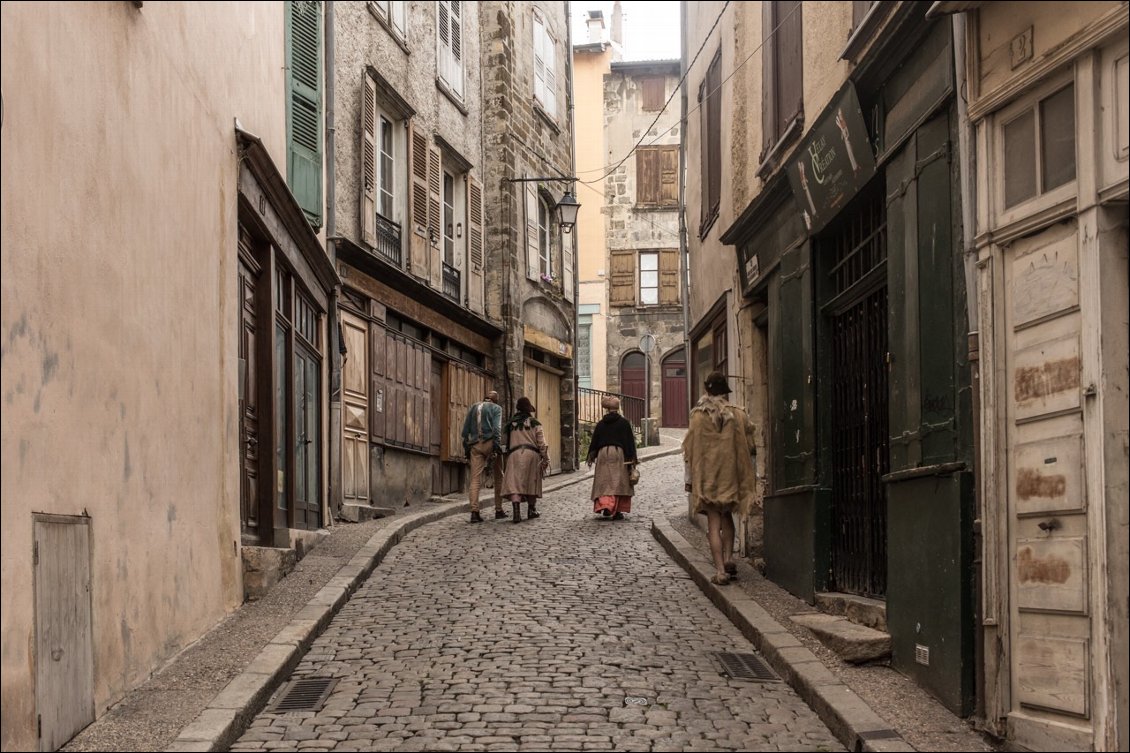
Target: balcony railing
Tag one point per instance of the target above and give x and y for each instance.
(452, 286)
(388, 240)
(589, 410)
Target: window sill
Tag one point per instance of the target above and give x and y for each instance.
(866, 31)
(656, 207)
(546, 117)
(451, 95)
(392, 32)
(773, 158)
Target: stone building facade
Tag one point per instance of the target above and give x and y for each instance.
(527, 79)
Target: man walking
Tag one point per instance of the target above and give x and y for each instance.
(482, 431)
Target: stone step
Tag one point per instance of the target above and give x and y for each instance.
(361, 513)
(854, 643)
(861, 610)
(263, 567)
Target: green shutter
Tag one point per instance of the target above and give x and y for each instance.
(794, 416)
(304, 106)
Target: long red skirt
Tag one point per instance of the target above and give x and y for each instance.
(612, 504)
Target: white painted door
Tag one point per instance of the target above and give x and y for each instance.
(355, 410)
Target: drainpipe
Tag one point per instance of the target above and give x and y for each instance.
(966, 166)
(571, 105)
(684, 261)
(335, 486)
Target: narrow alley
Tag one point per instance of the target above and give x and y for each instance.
(567, 632)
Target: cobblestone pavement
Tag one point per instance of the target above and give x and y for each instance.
(539, 636)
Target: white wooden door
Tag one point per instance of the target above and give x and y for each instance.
(1051, 649)
(64, 657)
(355, 410)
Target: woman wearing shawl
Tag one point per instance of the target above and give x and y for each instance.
(718, 453)
(526, 461)
(613, 450)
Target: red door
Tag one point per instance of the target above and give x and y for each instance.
(633, 383)
(675, 390)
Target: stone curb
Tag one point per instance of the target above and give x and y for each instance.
(849, 718)
(229, 714)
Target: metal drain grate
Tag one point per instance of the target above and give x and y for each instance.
(304, 695)
(746, 667)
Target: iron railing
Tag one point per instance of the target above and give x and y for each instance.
(451, 282)
(589, 410)
(388, 240)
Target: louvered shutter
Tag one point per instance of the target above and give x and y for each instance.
(539, 60)
(622, 291)
(369, 161)
(418, 160)
(304, 106)
(549, 58)
(669, 176)
(475, 243)
(443, 29)
(456, 65)
(669, 276)
(704, 148)
(532, 256)
(790, 64)
(435, 219)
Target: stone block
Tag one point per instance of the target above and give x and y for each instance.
(263, 567)
(853, 643)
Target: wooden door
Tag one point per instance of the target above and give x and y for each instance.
(633, 377)
(1052, 658)
(675, 390)
(64, 655)
(543, 387)
(307, 443)
(355, 409)
(248, 408)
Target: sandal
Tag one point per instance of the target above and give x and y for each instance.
(731, 570)
(720, 580)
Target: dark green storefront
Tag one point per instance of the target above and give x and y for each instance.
(870, 486)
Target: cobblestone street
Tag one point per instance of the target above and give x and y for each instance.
(563, 633)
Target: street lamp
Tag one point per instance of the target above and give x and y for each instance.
(568, 208)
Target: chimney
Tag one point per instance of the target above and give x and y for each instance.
(617, 23)
(595, 21)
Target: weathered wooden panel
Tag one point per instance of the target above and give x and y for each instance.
(1052, 574)
(1046, 377)
(1052, 673)
(1045, 274)
(64, 658)
(1049, 475)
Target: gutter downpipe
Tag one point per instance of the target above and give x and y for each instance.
(967, 165)
(684, 261)
(335, 481)
(573, 235)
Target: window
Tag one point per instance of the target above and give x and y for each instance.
(584, 351)
(394, 16)
(453, 244)
(545, 262)
(1039, 147)
(545, 67)
(649, 278)
(710, 136)
(383, 176)
(782, 80)
(304, 107)
(653, 93)
(449, 49)
(448, 218)
(387, 176)
(657, 170)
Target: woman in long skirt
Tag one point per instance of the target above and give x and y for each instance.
(527, 459)
(613, 451)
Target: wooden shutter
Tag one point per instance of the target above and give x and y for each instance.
(304, 106)
(704, 148)
(669, 176)
(859, 10)
(378, 341)
(456, 69)
(443, 29)
(794, 420)
(549, 57)
(418, 206)
(669, 276)
(475, 290)
(532, 255)
(715, 83)
(435, 219)
(369, 161)
(463, 387)
(652, 91)
(647, 176)
(790, 64)
(623, 277)
(567, 242)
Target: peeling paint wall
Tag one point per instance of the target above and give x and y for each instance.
(119, 315)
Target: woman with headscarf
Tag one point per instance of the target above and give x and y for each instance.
(613, 450)
(527, 459)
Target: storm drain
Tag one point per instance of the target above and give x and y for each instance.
(304, 695)
(746, 667)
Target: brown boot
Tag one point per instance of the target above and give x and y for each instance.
(517, 512)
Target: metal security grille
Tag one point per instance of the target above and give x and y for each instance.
(859, 395)
(746, 667)
(304, 695)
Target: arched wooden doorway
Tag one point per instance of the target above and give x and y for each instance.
(633, 375)
(675, 389)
